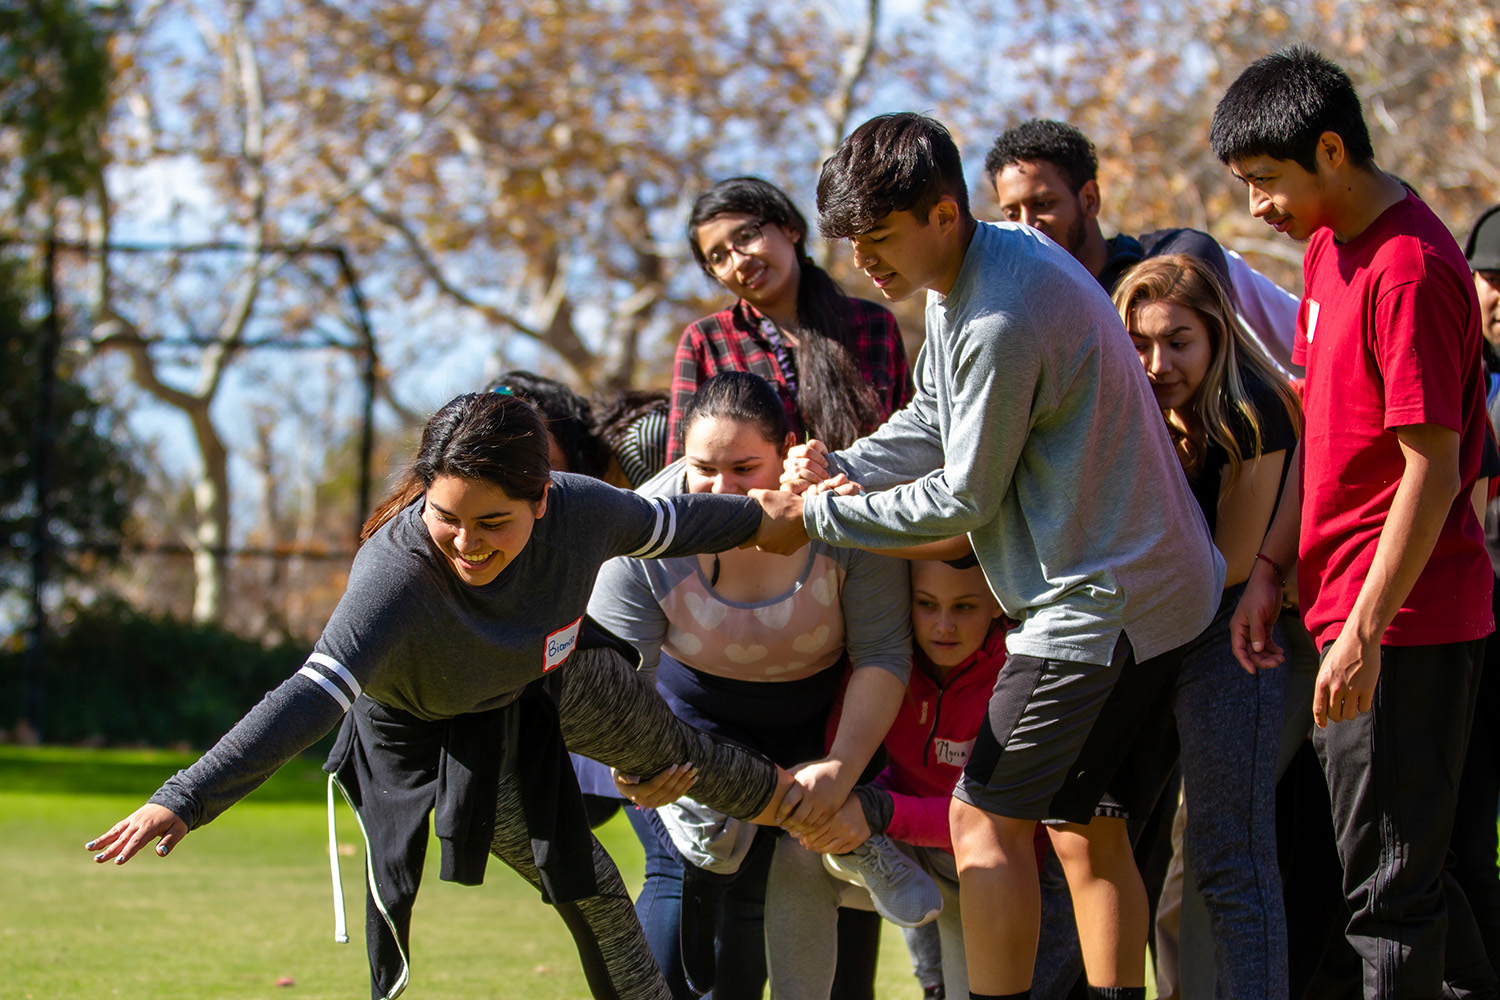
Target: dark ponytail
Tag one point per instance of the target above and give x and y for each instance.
(493, 437)
(742, 397)
(835, 402)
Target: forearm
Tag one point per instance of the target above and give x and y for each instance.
(949, 548)
(905, 447)
(921, 820)
(1282, 537)
(870, 705)
(1424, 498)
(1246, 508)
(703, 522)
(286, 722)
(912, 514)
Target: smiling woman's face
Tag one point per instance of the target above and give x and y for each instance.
(477, 526)
(766, 275)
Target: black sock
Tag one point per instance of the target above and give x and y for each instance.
(1117, 993)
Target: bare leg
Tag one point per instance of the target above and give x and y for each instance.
(1109, 899)
(999, 895)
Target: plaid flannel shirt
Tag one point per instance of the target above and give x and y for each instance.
(732, 341)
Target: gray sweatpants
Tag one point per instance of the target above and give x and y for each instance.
(802, 902)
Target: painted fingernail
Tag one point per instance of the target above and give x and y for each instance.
(99, 856)
(120, 860)
(161, 850)
(89, 846)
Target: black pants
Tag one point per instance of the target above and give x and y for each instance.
(1474, 838)
(1393, 775)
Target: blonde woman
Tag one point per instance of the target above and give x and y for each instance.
(1235, 421)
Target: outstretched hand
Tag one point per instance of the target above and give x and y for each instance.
(127, 837)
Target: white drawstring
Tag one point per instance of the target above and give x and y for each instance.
(340, 928)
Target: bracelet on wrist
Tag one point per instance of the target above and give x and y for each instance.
(1280, 577)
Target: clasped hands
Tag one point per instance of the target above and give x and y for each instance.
(804, 474)
(813, 802)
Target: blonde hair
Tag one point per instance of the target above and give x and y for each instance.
(1221, 402)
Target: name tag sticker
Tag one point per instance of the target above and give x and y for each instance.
(954, 753)
(560, 645)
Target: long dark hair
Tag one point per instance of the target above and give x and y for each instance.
(493, 437)
(743, 397)
(836, 404)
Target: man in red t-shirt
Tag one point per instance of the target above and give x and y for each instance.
(1395, 585)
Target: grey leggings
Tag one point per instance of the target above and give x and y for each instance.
(608, 712)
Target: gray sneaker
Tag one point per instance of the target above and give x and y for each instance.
(902, 892)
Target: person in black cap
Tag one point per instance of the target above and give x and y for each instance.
(1474, 834)
(1483, 252)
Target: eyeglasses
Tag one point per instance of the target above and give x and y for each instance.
(746, 240)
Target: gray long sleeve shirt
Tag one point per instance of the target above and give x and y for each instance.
(412, 636)
(867, 613)
(1034, 431)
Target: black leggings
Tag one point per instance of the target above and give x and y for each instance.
(609, 713)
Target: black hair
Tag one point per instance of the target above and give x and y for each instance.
(1282, 103)
(570, 419)
(491, 437)
(1045, 140)
(902, 162)
(633, 425)
(835, 402)
(743, 397)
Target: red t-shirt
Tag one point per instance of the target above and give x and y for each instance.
(1390, 337)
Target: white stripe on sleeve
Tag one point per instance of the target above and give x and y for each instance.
(661, 516)
(671, 533)
(339, 669)
(334, 691)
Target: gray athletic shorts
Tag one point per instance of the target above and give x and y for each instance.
(1057, 732)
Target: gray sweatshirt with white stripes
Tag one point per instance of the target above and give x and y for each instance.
(412, 636)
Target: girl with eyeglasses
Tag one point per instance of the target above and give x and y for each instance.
(838, 362)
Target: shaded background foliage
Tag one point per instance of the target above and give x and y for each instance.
(120, 676)
(55, 69)
(93, 481)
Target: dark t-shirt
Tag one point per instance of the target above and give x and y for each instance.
(1277, 433)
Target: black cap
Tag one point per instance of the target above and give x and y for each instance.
(1483, 248)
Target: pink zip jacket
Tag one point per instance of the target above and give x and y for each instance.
(929, 743)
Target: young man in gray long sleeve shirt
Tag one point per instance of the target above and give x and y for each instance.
(1033, 430)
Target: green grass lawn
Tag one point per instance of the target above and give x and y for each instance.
(246, 901)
